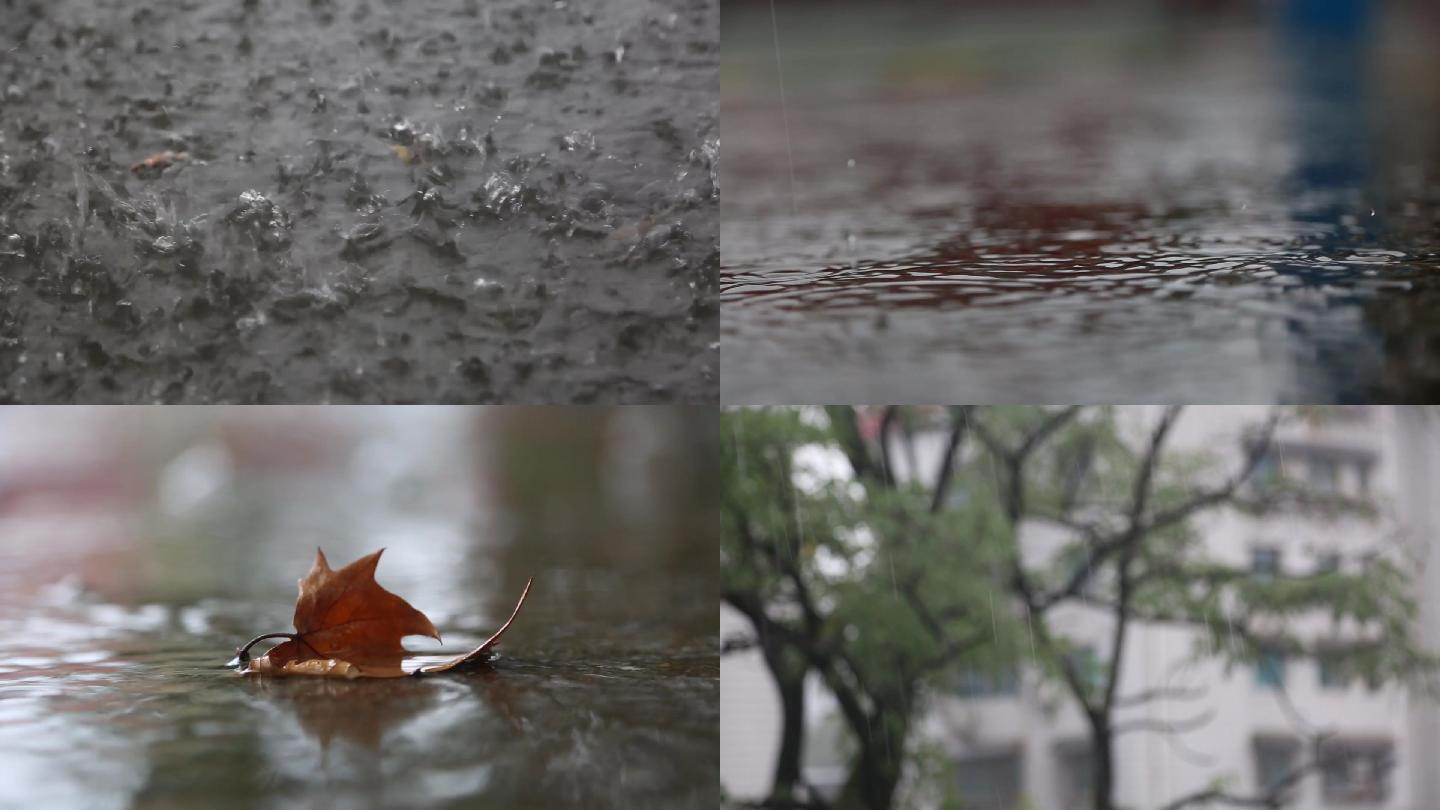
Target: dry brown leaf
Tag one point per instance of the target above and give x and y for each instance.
(479, 652)
(350, 627)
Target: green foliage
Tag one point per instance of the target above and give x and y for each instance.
(935, 782)
(1086, 473)
(1368, 616)
(898, 585)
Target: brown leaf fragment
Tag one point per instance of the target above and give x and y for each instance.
(478, 653)
(405, 153)
(158, 161)
(323, 667)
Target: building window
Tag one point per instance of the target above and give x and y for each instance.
(1265, 562)
(990, 782)
(1368, 561)
(1335, 670)
(1356, 772)
(1327, 562)
(1077, 769)
(1270, 669)
(976, 683)
(1324, 474)
(1274, 762)
(1086, 664)
(1267, 473)
(1326, 470)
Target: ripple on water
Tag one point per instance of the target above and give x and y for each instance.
(562, 715)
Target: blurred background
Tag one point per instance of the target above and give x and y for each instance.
(1193, 200)
(139, 547)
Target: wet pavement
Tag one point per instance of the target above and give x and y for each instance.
(367, 201)
(121, 597)
(1102, 207)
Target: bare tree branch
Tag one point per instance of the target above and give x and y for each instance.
(1140, 500)
(738, 644)
(847, 429)
(1013, 485)
(1160, 693)
(1165, 726)
(1258, 448)
(1051, 424)
(887, 467)
(1274, 797)
(961, 423)
(1102, 546)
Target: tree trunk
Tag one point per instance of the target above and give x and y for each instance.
(792, 733)
(875, 772)
(1102, 743)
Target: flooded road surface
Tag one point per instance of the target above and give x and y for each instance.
(120, 604)
(1056, 209)
(364, 201)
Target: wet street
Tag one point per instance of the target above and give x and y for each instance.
(362, 201)
(128, 579)
(1101, 207)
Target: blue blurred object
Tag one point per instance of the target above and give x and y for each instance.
(1345, 17)
(1329, 45)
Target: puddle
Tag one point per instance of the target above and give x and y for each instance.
(1131, 207)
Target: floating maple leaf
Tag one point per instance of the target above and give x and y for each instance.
(347, 626)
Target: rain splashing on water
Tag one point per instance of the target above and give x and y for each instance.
(204, 201)
(1101, 225)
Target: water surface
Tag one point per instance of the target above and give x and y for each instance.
(118, 609)
(1107, 207)
(382, 201)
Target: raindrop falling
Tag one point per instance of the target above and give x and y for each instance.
(739, 449)
(784, 107)
(799, 527)
(1030, 627)
(994, 628)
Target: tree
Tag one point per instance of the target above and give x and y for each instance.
(888, 576)
(1127, 504)
(855, 578)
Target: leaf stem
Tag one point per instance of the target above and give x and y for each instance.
(242, 654)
